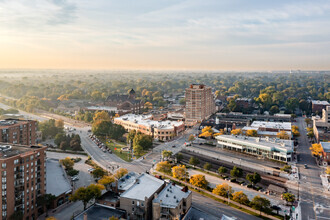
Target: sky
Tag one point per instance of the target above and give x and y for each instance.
(165, 34)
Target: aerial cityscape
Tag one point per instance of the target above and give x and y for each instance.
(156, 110)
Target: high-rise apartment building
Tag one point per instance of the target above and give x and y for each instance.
(199, 103)
(18, 131)
(22, 180)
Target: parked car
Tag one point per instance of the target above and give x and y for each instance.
(173, 146)
(90, 169)
(74, 178)
(305, 166)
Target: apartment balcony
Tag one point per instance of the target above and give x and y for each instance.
(18, 203)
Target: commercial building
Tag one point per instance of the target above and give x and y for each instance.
(125, 102)
(321, 126)
(269, 129)
(162, 130)
(325, 151)
(18, 131)
(57, 183)
(318, 106)
(23, 179)
(137, 200)
(238, 116)
(171, 203)
(271, 148)
(200, 104)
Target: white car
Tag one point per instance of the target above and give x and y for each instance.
(90, 169)
(74, 178)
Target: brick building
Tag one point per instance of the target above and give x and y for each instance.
(200, 103)
(125, 102)
(318, 105)
(23, 180)
(325, 151)
(17, 131)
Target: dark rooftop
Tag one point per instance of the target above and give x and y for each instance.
(100, 212)
(9, 150)
(196, 214)
(109, 197)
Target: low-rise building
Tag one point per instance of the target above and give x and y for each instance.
(100, 212)
(271, 148)
(171, 203)
(18, 131)
(318, 106)
(325, 151)
(243, 102)
(269, 129)
(57, 183)
(197, 214)
(137, 200)
(162, 130)
(321, 126)
(125, 102)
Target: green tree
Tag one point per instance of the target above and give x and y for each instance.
(253, 178)
(179, 157)
(291, 104)
(67, 163)
(274, 109)
(164, 167)
(98, 173)
(288, 197)
(194, 161)
(222, 170)
(236, 172)
(207, 166)
(86, 194)
(261, 204)
(145, 141)
(46, 201)
(166, 154)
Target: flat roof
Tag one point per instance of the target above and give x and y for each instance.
(56, 181)
(325, 146)
(270, 144)
(272, 125)
(145, 120)
(270, 133)
(127, 181)
(318, 102)
(171, 195)
(100, 212)
(8, 150)
(145, 186)
(197, 214)
(10, 122)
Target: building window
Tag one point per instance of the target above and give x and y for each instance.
(16, 161)
(4, 165)
(132, 202)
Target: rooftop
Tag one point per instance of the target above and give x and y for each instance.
(9, 122)
(9, 150)
(109, 196)
(100, 212)
(325, 146)
(269, 144)
(318, 102)
(272, 125)
(145, 120)
(171, 196)
(144, 186)
(56, 181)
(127, 181)
(196, 214)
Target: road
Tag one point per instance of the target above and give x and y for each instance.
(111, 162)
(315, 204)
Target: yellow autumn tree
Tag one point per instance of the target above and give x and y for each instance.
(241, 198)
(252, 133)
(327, 171)
(222, 190)
(120, 173)
(148, 105)
(295, 131)
(206, 132)
(236, 132)
(101, 116)
(198, 180)
(283, 135)
(316, 149)
(180, 172)
(106, 181)
(164, 167)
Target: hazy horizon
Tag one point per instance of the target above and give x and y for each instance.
(165, 35)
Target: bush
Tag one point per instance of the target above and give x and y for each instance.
(222, 170)
(76, 160)
(72, 172)
(207, 166)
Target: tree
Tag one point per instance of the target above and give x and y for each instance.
(260, 203)
(308, 121)
(222, 190)
(46, 201)
(295, 131)
(166, 154)
(98, 173)
(72, 172)
(291, 104)
(180, 172)
(120, 173)
(67, 163)
(274, 110)
(252, 133)
(194, 161)
(101, 127)
(130, 136)
(86, 194)
(253, 178)
(265, 100)
(283, 135)
(101, 116)
(236, 172)
(113, 218)
(222, 170)
(286, 168)
(304, 105)
(17, 215)
(207, 166)
(288, 197)
(51, 218)
(236, 132)
(241, 198)
(316, 150)
(145, 141)
(327, 171)
(198, 180)
(207, 132)
(179, 157)
(138, 150)
(59, 124)
(106, 181)
(191, 138)
(59, 138)
(164, 167)
(148, 105)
